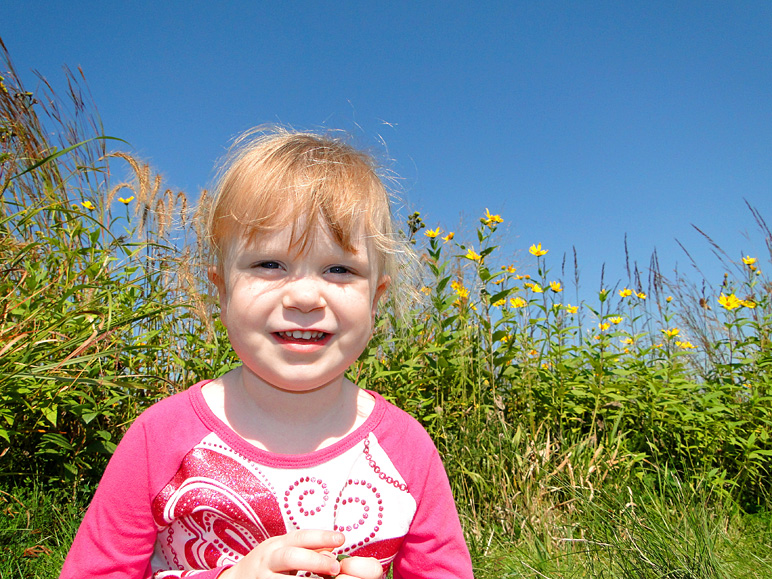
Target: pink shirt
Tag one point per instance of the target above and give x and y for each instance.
(185, 495)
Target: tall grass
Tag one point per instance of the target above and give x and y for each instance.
(626, 435)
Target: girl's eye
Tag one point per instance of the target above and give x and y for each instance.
(339, 270)
(268, 265)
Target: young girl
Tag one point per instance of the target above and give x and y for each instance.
(282, 466)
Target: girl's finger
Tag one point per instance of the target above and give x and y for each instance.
(360, 568)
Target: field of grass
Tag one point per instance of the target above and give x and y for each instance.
(624, 434)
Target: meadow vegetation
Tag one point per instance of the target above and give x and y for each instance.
(626, 435)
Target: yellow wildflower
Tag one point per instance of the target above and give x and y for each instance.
(671, 333)
(748, 260)
(536, 288)
(499, 303)
(505, 339)
(426, 290)
(748, 303)
(572, 309)
(536, 250)
(88, 205)
(729, 302)
(518, 302)
(623, 293)
(499, 281)
(556, 287)
(449, 236)
(459, 288)
(615, 320)
(641, 295)
(526, 276)
(685, 345)
(127, 200)
(627, 341)
(533, 353)
(491, 220)
(604, 326)
(473, 255)
(669, 299)
(432, 233)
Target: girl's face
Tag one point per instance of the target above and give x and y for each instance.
(297, 322)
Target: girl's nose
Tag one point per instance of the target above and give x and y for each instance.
(304, 295)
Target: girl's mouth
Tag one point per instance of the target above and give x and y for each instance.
(301, 336)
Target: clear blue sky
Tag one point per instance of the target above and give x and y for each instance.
(578, 122)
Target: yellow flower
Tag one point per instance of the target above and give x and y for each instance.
(623, 293)
(604, 326)
(533, 353)
(641, 295)
(572, 309)
(518, 302)
(509, 268)
(432, 233)
(426, 290)
(748, 303)
(491, 220)
(556, 287)
(669, 299)
(671, 333)
(500, 302)
(505, 339)
(473, 255)
(615, 320)
(127, 200)
(685, 345)
(536, 250)
(627, 341)
(499, 281)
(748, 260)
(88, 205)
(449, 236)
(729, 302)
(536, 288)
(526, 276)
(459, 288)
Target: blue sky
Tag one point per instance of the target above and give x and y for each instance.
(578, 122)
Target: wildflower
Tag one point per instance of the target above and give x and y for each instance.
(556, 287)
(535, 287)
(88, 205)
(623, 293)
(685, 345)
(536, 250)
(641, 295)
(509, 268)
(432, 233)
(627, 341)
(127, 200)
(669, 299)
(518, 302)
(545, 365)
(604, 326)
(526, 276)
(748, 303)
(426, 290)
(459, 288)
(449, 236)
(748, 260)
(533, 353)
(499, 303)
(505, 339)
(671, 333)
(473, 255)
(729, 302)
(499, 281)
(491, 220)
(572, 309)
(616, 320)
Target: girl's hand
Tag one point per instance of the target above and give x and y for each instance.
(360, 568)
(295, 551)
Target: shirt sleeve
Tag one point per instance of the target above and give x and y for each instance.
(434, 546)
(117, 536)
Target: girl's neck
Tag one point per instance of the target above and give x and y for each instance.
(288, 422)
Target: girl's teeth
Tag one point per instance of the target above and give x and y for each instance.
(300, 335)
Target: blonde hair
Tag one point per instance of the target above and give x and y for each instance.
(274, 178)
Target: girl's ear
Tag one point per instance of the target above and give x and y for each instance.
(214, 275)
(383, 284)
